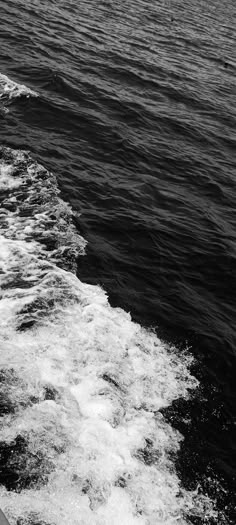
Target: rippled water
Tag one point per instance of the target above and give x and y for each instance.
(131, 106)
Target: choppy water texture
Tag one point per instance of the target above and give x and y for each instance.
(129, 109)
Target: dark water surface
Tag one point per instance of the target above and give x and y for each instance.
(136, 117)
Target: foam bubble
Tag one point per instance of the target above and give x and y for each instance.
(82, 438)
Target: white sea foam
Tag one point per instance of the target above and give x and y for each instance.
(83, 385)
(10, 90)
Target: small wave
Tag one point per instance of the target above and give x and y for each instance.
(82, 438)
(10, 90)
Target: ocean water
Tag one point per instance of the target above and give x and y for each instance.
(117, 262)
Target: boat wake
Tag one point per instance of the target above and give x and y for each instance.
(82, 438)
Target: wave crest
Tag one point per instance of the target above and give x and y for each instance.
(10, 90)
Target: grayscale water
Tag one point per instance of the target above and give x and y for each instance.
(117, 250)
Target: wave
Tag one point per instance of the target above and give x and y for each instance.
(82, 437)
(10, 90)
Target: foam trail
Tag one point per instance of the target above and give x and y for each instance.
(82, 438)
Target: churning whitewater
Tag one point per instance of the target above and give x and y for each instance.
(82, 438)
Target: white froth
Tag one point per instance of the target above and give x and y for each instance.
(10, 89)
(6, 181)
(104, 448)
